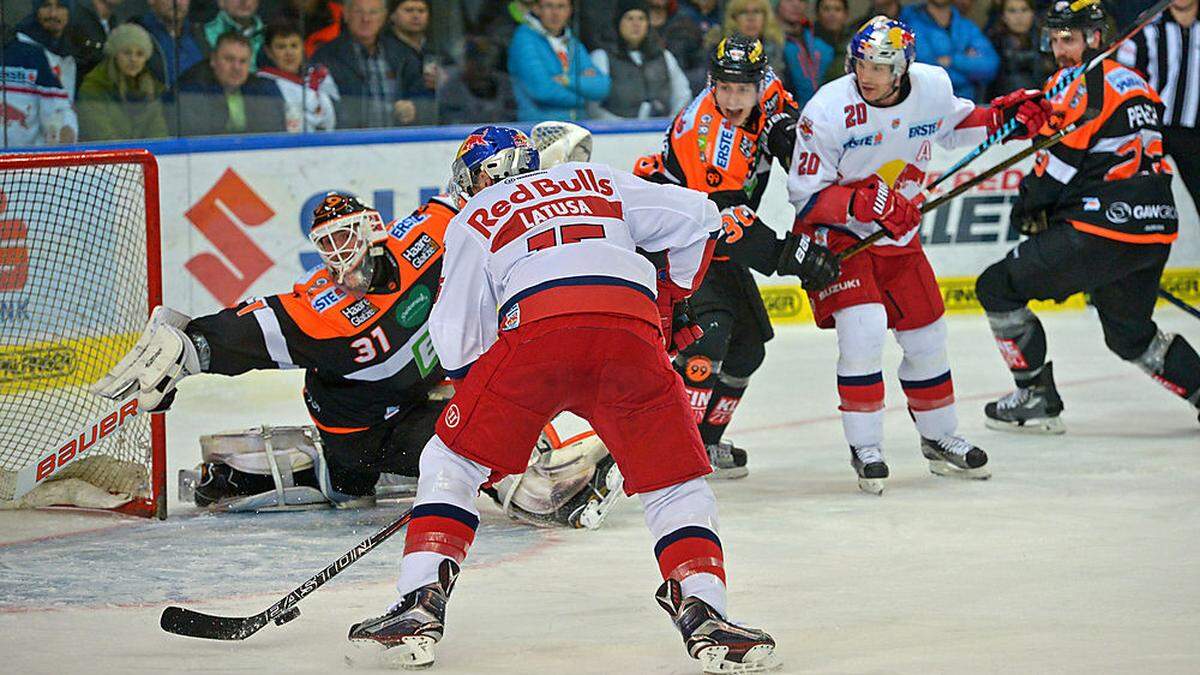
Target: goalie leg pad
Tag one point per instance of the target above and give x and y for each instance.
(557, 482)
(291, 455)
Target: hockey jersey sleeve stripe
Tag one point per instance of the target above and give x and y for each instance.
(571, 295)
(1126, 237)
(276, 344)
(44, 92)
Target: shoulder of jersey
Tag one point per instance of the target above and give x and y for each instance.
(1125, 81)
(832, 97)
(694, 114)
(927, 79)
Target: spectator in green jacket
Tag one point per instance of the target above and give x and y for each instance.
(240, 16)
(120, 99)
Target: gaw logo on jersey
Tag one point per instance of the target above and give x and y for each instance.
(414, 310)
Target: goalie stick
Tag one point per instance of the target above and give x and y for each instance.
(1073, 74)
(190, 623)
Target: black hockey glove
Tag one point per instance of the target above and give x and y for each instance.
(684, 329)
(779, 137)
(1029, 222)
(814, 264)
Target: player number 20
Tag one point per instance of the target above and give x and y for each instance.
(856, 114)
(807, 163)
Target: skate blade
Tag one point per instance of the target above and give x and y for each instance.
(757, 659)
(1041, 425)
(871, 485)
(944, 468)
(732, 473)
(414, 653)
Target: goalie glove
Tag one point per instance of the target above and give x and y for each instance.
(814, 264)
(163, 356)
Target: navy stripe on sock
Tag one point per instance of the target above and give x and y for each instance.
(925, 384)
(447, 511)
(859, 380)
(684, 533)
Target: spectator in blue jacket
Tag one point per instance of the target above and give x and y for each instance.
(807, 56)
(552, 75)
(952, 41)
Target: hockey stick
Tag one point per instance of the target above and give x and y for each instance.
(182, 621)
(1175, 300)
(1075, 73)
(1042, 144)
(1070, 76)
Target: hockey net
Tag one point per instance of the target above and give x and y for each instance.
(79, 273)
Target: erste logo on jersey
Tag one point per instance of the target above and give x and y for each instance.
(569, 198)
(420, 251)
(724, 146)
(925, 129)
(402, 227)
(327, 298)
(864, 141)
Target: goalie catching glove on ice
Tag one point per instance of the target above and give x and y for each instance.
(373, 384)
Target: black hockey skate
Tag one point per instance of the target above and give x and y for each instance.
(405, 636)
(1034, 408)
(954, 456)
(871, 469)
(719, 645)
(728, 461)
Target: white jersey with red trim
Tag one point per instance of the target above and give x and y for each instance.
(841, 139)
(563, 241)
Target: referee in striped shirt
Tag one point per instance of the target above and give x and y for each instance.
(1167, 52)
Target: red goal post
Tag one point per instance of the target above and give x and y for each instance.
(80, 270)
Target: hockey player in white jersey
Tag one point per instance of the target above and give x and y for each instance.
(546, 306)
(862, 146)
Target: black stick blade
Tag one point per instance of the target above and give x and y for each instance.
(181, 621)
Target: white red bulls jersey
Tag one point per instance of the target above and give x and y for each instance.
(842, 139)
(563, 241)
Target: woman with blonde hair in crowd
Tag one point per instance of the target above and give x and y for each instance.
(120, 99)
(754, 19)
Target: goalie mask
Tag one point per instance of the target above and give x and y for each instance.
(559, 142)
(343, 231)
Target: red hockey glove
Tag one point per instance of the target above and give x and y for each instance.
(1028, 106)
(874, 201)
(675, 317)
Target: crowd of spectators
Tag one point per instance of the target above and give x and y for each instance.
(95, 70)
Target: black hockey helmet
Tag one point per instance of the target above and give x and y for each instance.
(336, 205)
(738, 58)
(1063, 15)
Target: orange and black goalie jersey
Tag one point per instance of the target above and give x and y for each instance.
(1108, 177)
(367, 357)
(703, 151)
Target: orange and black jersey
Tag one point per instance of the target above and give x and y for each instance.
(1108, 177)
(703, 151)
(367, 357)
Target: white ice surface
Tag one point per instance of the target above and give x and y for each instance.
(1080, 555)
